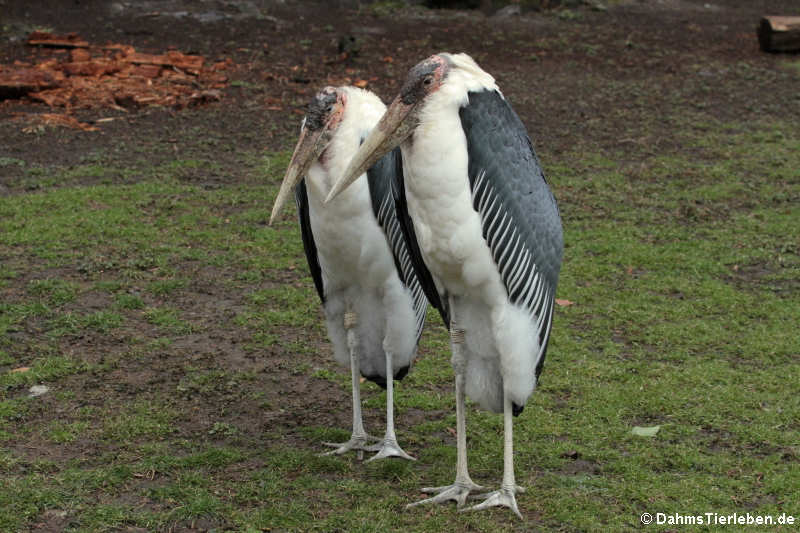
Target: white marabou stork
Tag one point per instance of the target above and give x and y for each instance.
(473, 198)
(373, 300)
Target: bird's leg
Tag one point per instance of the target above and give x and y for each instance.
(389, 447)
(505, 496)
(462, 486)
(358, 439)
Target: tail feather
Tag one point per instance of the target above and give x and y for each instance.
(380, 381)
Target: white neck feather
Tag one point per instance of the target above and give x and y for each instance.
(362, 111)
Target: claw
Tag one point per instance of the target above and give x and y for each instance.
(388, 448)
(503, 497)
(517, 490)
(356, 443)
(468, 484)
(457, 492)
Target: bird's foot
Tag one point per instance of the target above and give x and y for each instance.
(457, 492)
(356, 443)
(517, 490)
(388, 448)
(502, 497)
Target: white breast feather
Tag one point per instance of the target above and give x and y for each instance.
(356, 261)
(501, 339)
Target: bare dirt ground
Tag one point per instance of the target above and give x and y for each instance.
(557, 68)
(551, 67)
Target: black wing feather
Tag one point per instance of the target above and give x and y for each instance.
(389, 205)
(519, 215)
(310, 247)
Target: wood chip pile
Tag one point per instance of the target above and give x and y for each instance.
(79, 75)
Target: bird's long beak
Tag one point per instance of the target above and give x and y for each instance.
(309, 147)
(393, 128)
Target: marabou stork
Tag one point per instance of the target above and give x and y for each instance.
(473, 198)
(373, 301)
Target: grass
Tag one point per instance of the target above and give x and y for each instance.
(167, 319)
(191, 384)
(683, 277)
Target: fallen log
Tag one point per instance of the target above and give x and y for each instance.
(779, 34)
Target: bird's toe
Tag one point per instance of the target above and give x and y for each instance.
(388, 448)
(456, 492)
(357, 443)
(499, 498)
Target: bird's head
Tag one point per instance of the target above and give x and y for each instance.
(424, 79)
(400, 119)
(324, 115)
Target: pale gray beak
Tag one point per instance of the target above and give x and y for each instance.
(309, 147)
(394, 127)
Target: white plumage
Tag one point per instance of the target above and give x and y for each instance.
(487, 229)
(374, 313)
(499, 336)
(356, 261)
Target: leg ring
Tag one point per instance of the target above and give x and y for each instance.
(350, 319)
(457, 336)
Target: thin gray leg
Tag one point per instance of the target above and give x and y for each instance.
(389, 447)
(505, 496)
(463, 485)
(358, 439)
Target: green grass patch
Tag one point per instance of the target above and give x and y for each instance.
(60, 432)
(44, 369)
(167, 286)
(168, 320)
(103, 321)
(142, 419)
(129, 301)
(56, 292)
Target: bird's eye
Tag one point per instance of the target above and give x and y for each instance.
(330, 108)
(427, 81)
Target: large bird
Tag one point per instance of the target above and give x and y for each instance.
(373, 301)
(473, 197)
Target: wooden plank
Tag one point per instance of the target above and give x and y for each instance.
(43, 38)
(21, 81)
(779, 34)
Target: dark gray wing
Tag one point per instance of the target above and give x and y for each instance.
(383, 179)
(301, 197)
(519, 216)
